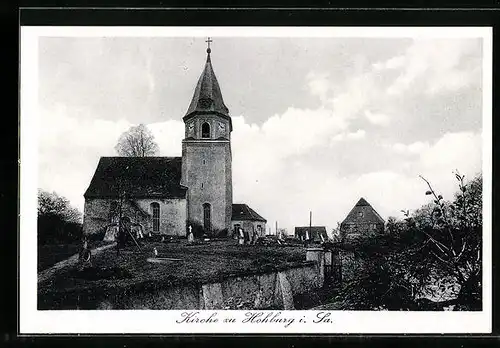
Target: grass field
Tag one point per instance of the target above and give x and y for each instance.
(50, 254)
(198, 264)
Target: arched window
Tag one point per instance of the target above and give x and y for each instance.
(205, 130)
(207, 222)
(155, 209)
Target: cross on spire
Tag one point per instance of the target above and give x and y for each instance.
(208, 41)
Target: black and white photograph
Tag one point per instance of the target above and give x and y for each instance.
(265, 172)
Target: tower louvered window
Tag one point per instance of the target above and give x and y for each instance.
(205, 130)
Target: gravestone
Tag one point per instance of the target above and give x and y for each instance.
(111, 233)
(241, 236)
(190, 234)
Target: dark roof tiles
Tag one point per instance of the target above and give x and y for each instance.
(207, 95)
(137, 177)
(244, 212)
(363, 213)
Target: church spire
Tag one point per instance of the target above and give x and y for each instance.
(207, 97)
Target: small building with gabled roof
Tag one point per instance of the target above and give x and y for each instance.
(248, 219)
(362, 221)
(311, 233)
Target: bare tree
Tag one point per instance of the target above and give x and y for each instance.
(138, 141)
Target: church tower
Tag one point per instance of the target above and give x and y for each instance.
(206, 155)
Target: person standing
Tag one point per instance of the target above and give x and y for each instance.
(123, 232)
(85, 254)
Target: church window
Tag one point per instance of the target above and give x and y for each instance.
(201, 185)
(360, 214)
(205, 130)
(155, 209)
(204, 162)
(207, 219)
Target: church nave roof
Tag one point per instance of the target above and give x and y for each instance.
(138, 177)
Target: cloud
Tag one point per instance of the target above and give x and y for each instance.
(377, 118)
(297, 131)
(298, 187)
(359, 134)
(392, 63)
(409, 149)
(454, 151)
(168, 135)
(440, 65)
(69, 147)
(319, 85)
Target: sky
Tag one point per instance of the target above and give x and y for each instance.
(317, 122)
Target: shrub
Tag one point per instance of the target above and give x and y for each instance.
(98, 236)
(58, 221)
(428, 254)
(221, 233)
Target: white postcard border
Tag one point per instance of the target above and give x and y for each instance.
(32, 321)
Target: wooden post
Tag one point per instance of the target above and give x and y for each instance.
(310, 225)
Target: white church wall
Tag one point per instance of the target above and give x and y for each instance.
(172, 214)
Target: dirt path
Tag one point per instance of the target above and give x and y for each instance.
(73, 260)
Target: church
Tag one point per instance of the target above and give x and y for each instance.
(166, 195)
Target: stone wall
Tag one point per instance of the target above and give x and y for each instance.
(172, 215)
(96, 215)
(360, 230)
(206, 171)
(262, 291)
